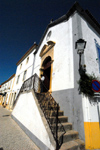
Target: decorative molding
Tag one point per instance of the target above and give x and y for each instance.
(46, 48)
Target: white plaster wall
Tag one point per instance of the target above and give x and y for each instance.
(8, 87)
(3, 87)
(26, 112)
(63, 56)
(8, 97)
(90, 110)
(25, 66)
(90, 53)
(92, 66)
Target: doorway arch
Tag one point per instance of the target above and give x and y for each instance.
(46, 67)
(46, 72)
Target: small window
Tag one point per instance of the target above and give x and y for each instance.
(18, 79)
(27, 60)
(20, 66)
(48, 35)
(24, 76)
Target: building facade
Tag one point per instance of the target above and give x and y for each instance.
(57, 59)
(25, 68)
(7, 92)
(10, 88)
(62, 65)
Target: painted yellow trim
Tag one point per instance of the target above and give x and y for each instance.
(46, 48)
(6, 99)
(50, 88)
(92, 135)
(1, 100)
(9, 101)
(51, 54)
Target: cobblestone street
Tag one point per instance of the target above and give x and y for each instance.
(12, 136)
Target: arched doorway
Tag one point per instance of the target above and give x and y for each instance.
(46, 69)
(46, 72)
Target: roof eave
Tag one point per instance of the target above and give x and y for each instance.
(84, 13)
(75, 7)
(8, 79)
(27, 53)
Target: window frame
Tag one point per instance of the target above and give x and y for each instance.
(24, 75)
(17, 79)
(27, 60)
(20, 65)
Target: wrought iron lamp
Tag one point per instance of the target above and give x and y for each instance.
(80, 46)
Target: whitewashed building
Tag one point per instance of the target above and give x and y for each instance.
(25, 68)
(11, 87)
(7, 92)
(60, 61)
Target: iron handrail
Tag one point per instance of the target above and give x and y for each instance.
(48, 105)
(26, 86)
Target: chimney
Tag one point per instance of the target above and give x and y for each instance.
(51, 20)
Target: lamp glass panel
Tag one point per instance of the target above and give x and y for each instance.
(80, 45)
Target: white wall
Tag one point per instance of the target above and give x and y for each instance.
(27, 113)
(25, 66)
(10, 86)
(7, 87)
(63, 56)
(91, 110)
(92, 65)
(90, 53)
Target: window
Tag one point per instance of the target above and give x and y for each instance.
(27, 60)
(48, 35)
(20, 66)
(24, 76)
(18, 79)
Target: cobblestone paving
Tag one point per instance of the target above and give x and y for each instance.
(12, 136)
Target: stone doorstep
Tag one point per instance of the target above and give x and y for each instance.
(80, 143)
(60, 113)
(69, 135)
(71, 140)
(61, 118)
(73, 145)
(67, 126)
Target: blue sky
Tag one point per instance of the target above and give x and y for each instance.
(23, 22)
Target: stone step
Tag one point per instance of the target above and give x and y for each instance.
(61, 118)
(73, 145)
(67, 126)
(50, 109)
(60, 113)
(69, 135)
(80, 143)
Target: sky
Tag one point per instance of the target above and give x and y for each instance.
(23, 22)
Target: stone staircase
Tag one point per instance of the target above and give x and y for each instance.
(48, 105)
(71, 140)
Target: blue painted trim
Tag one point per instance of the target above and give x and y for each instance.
(98, 51)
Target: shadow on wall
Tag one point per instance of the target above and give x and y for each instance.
(71, 103)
